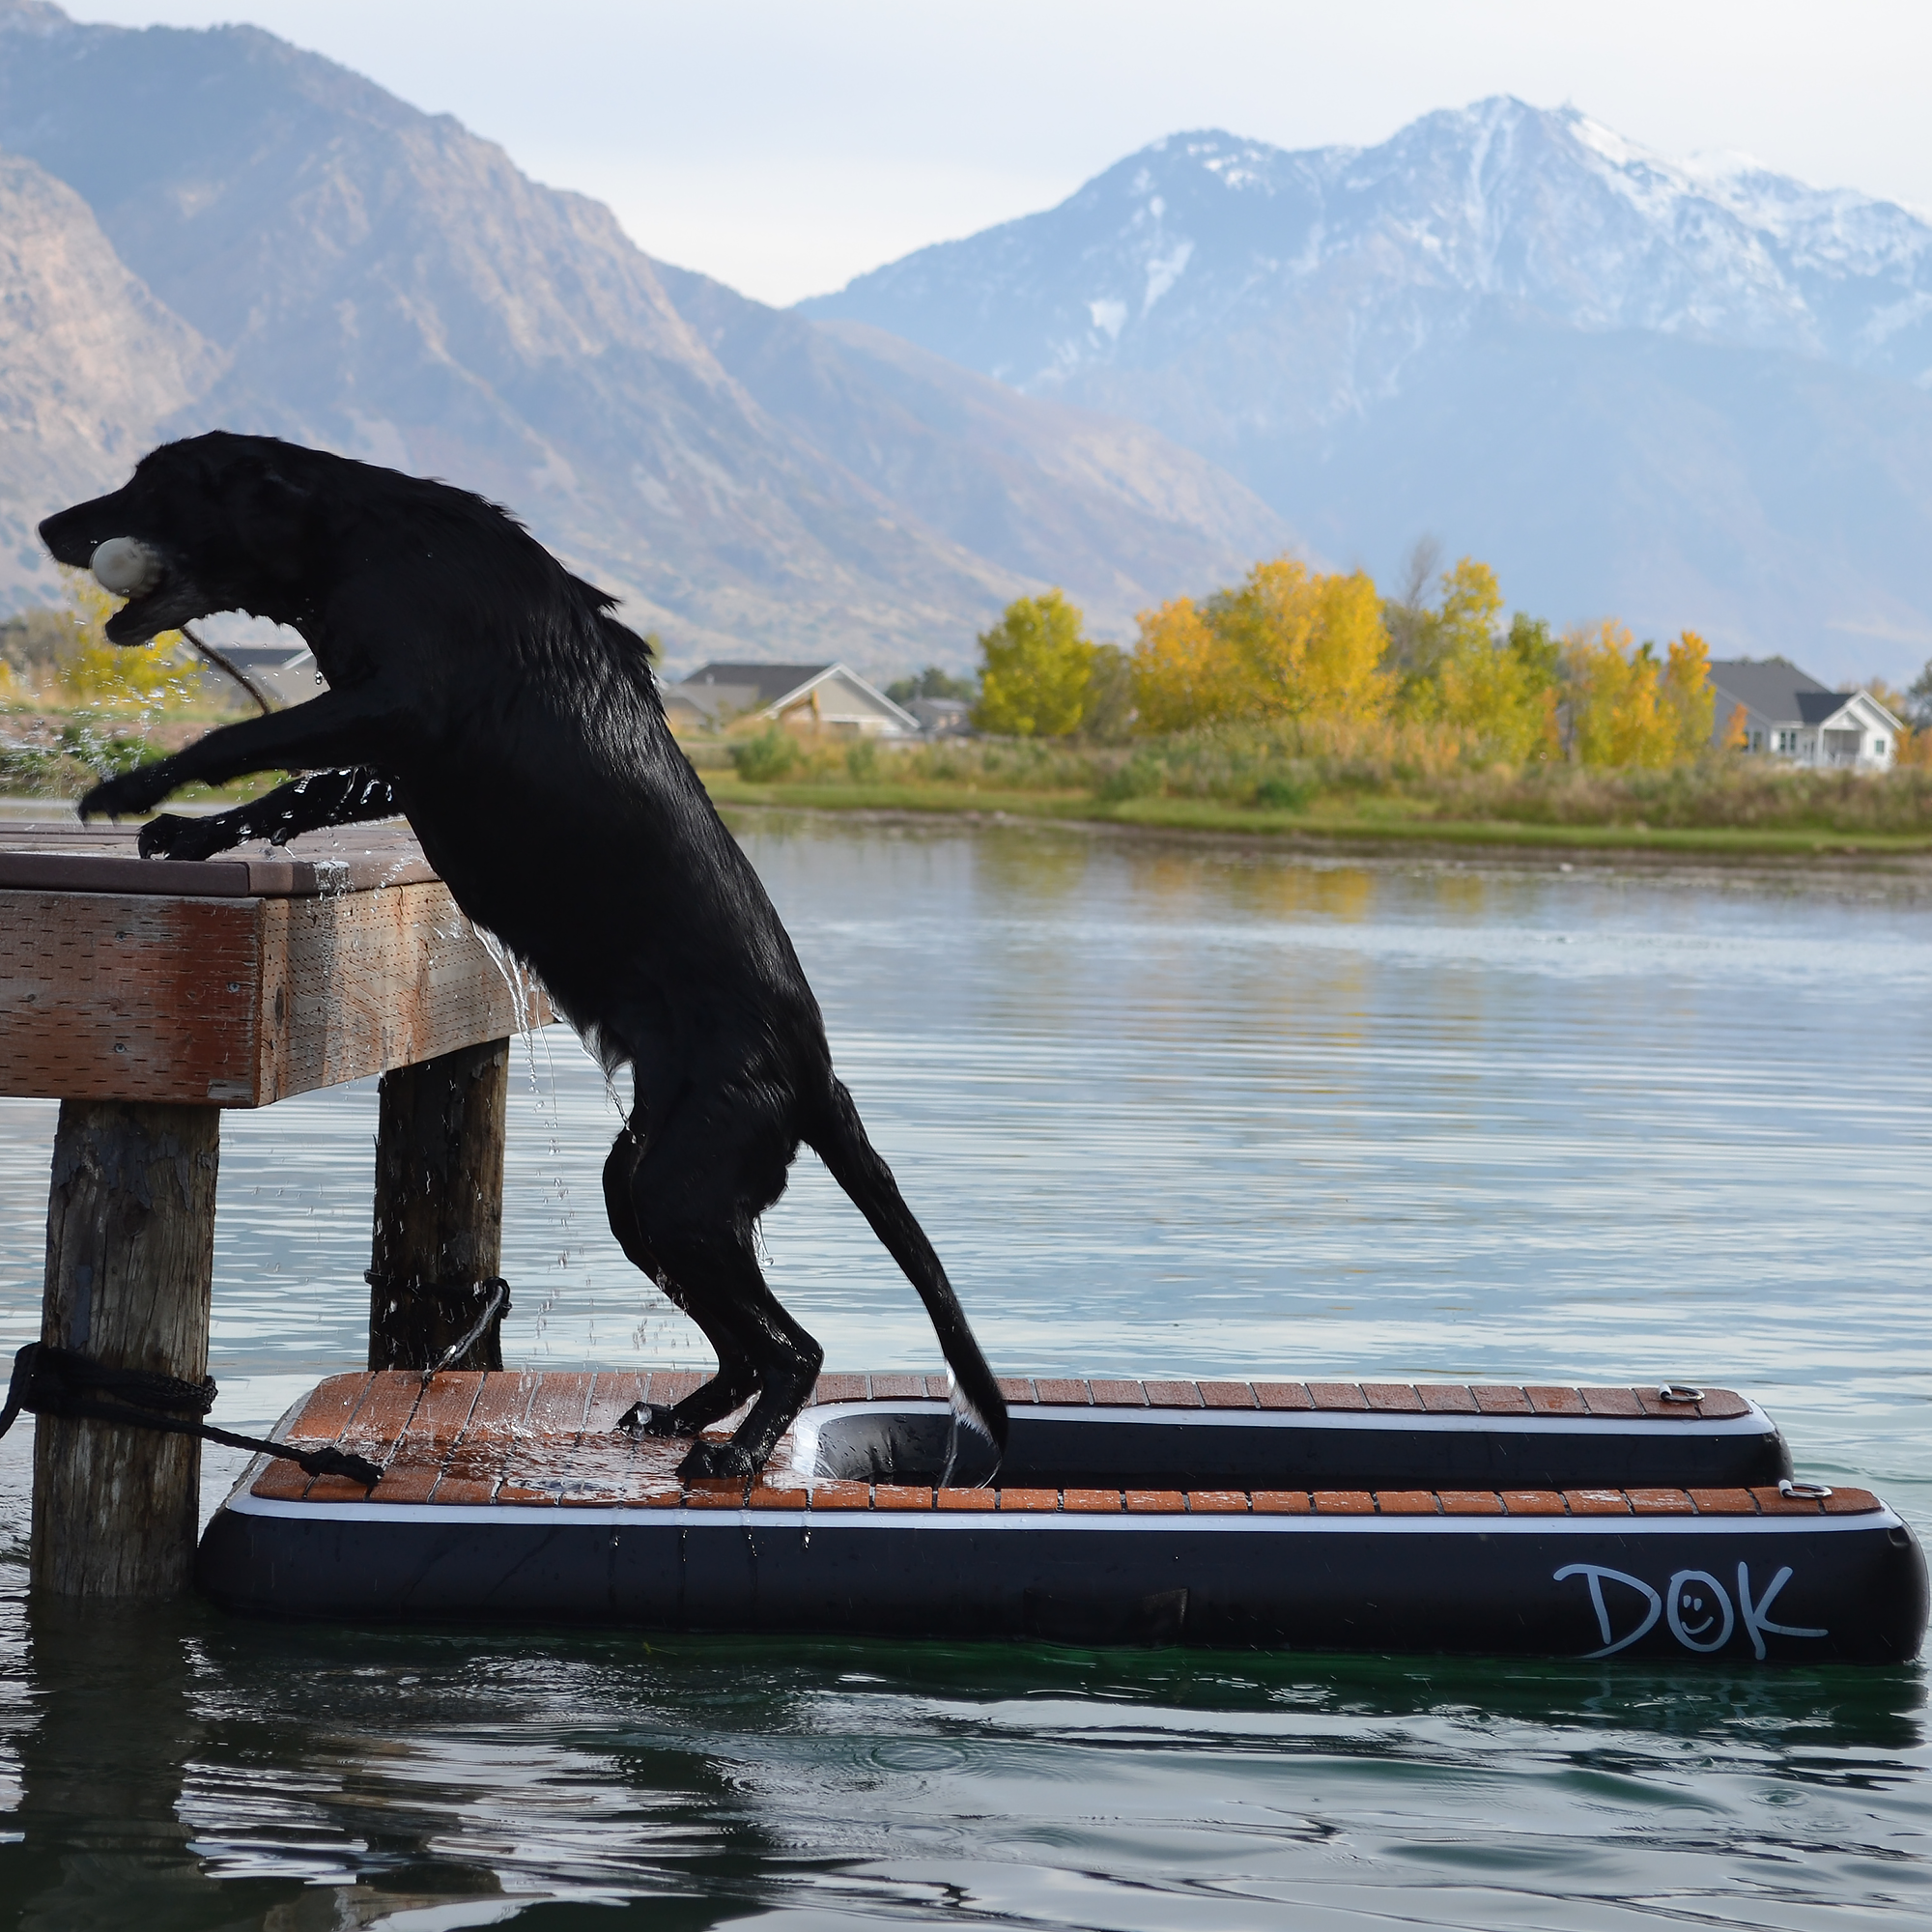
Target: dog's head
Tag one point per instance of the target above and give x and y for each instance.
(217, 522)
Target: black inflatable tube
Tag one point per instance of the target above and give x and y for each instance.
(1184, 1449)
(1847, 1589)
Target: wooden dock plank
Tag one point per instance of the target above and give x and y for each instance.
(323, 1417)
(540, 1461)
(549, 1436)
(235, 1001)
(1338, 1396)
(1398, 1397)
(440, 1412)
(475, 1466)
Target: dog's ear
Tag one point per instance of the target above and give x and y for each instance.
(271, 513)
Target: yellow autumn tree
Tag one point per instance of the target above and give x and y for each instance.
(1180, 670)
(1499, 687)
(1036, 669)
(1342, 672)
(1286, 642)
(1687, 694)
(1630, 707)
(1300, 644)
(82, 670)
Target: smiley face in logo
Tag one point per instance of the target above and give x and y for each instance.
(1699, 1610)
(1689, 1607)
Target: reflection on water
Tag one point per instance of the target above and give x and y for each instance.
(218, 1772)
(1160, 1107)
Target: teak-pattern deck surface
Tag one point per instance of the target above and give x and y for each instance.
(547, 1437)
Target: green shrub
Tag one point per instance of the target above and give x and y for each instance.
(766, 758)
(1139, 777)
(862, 761)
(82, 755)
(1280, 792)
(105, 754)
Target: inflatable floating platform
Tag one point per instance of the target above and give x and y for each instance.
(1589, 1522)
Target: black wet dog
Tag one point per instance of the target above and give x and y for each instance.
(489, 696)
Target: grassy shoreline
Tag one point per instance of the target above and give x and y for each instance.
(1336, 831)
(1313, 827)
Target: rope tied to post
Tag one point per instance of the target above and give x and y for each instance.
(63, 1382)
(496, 1304)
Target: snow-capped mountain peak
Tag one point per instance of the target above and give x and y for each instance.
(1546, 211)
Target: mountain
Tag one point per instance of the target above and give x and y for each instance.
(341, 268)
(1099, 505)
(1686, 393)
(90, 362)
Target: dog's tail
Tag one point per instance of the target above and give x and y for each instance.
(838, 1138)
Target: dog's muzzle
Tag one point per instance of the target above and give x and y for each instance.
(126, 566)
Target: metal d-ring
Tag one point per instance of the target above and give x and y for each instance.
(1810, 1492)
(1681, 1392)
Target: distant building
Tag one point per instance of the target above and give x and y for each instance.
(1790, 716)
(826, 697)
(942, 717)
(285, 668)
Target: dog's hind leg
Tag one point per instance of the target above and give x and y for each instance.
(735, 1380)
(784, 1358)
(693, 1192)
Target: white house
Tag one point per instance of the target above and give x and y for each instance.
(942, 717)
(284, 666)
(1790, 716)
(828, 697)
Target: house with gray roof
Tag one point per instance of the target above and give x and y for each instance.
(282, 667)
(828, 697)
(1784, 714)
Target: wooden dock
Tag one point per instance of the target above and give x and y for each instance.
(147, 996)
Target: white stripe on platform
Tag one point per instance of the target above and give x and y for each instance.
(1755, 1422)
(562, 1516)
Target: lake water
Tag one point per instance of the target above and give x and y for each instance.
(1164, 1108)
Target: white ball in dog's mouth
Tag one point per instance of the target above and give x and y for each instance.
(126, 566)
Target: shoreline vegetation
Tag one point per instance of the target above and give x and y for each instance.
(1291, 706)
(1300, 705)
(1705, 810)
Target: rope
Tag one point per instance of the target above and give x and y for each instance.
(223, 662)
(496, 1292)
(63, 1382)
(494, 1310)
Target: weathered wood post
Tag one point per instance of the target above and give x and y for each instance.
(130, 1261)
(439, 1230)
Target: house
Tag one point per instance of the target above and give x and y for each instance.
(1793, 717)
(942, 717)
(283, 666)
(826, 697)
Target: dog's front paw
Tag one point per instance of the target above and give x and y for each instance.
(129, 794)
(643, 1418)
(717, 1459)
(172, 836)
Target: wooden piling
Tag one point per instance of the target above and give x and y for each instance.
(439, 1225)
(130, 1261)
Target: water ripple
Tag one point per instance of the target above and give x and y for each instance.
(1162, 1108)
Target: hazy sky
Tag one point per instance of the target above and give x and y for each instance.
(785, 145)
